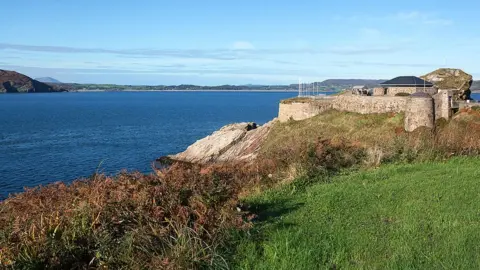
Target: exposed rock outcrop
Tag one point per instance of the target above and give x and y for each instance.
(14, 82)
(234, 142)
(451, 79)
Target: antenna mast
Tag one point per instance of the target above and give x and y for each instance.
(299, 87)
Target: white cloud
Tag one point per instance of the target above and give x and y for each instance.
(242, 45)
(408, 15)
(370, 33)
(422, 18)
(439, 22)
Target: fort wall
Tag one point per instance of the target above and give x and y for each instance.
(378, 91)
(419, 111)
(303, 110)
(392, 91)
(442, 104)
(370, 104)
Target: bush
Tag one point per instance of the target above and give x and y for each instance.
(176, 218)
(402, 94)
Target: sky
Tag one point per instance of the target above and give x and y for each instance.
(214, 42)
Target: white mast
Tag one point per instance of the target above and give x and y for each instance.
(299, 87)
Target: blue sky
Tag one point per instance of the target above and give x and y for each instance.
(214, 42)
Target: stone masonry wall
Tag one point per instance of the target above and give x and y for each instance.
(392, 91)
(430, 90)
(378, 91)
(369, 104)
(303, 110)
(418, 111)
(442, 106)
(359, 104)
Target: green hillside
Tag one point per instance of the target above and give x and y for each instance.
(419, 216)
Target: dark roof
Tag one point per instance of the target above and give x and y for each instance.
(407, 81)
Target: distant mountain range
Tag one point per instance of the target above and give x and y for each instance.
(11, 81)
(475, 85)
(47, 80)
(351, 82)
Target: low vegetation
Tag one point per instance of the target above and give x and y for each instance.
(174, 219)
(297, 100)
(380, 136)
(186, 217)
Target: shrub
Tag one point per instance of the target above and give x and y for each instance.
(402, 94)
(176, 218)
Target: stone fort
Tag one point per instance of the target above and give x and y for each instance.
(422, 102)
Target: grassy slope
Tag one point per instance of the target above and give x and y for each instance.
(423, 216)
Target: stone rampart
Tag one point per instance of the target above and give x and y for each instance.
(303, 110)
(442, 104)
(392, 91)
(370, 104)
(348, 103)
(419, 111)
(379, 91)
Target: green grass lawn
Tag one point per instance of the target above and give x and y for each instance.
(419, 216)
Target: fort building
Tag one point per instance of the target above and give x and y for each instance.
(360, 90)
(423, 101)
(420, 101)
(404, 85)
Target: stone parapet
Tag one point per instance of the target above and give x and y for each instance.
(303, 110)
(370, 104)
(419, 110)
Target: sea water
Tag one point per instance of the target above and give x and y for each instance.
(52, 137)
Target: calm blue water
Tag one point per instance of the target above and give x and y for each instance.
(50, 137)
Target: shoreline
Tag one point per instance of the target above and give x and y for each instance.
(132, 90)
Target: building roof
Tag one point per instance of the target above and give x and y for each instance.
(406, 81)
(359, 87)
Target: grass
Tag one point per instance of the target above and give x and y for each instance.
(289, 143)
(414, 216)
(381, 136)
(297, 100)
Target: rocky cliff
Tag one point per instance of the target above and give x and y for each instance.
(234, 142)
(450, 78)
(14, 82)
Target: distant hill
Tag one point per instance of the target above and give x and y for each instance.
(47, 80)
(475, 85)
(14, 82)
(348, 82)
(11, 81)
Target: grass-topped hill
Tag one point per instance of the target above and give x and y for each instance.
(449, 78)
(186, 217)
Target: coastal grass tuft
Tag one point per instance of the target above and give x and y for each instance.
(297, 100)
